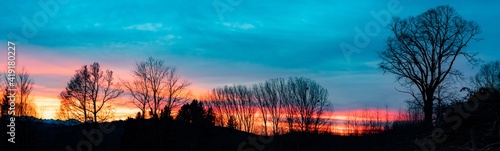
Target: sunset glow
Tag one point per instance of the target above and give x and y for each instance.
(242, 47)
(249, 75)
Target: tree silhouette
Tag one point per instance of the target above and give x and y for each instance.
(210, 117)
(488, 76)
(232, 123)
(176, 90)
(235, 102)
(156, 84)
(24, 84)
(423, 50)
(310, 101)
(87, 93)
(4, 107)
(270, 97)
(139, 116)
(195, 113)
(138, 89)
(165, 113)
(262, 103)
(301, 101)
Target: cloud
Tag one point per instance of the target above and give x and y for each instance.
(244, 26)
(168, 40)
(147, 27)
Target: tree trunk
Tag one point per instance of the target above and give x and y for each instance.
(95, 112)
(428, 104)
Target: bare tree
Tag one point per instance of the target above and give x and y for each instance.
(176, 91)
(214, 101)
(102, 90)
(4, 106)
(246, 107)
(290, 107)
(138, 89)
(155, 72)
(236, 103)
(272, 94)
(413, 112)
(301, 101)
(88, 92)
(446, 95)
(75, 97)
(67, 111)
(423, 50)
(320, 120)
(155, 84)
(310, 100)
(24, 84)
(488, 76)
(262, 103)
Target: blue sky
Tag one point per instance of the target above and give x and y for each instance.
(250, 42)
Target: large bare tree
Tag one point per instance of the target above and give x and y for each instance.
(423, 50)
(87, 95)
(311, 102)
(155, 84)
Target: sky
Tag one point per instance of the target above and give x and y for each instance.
(213, 43)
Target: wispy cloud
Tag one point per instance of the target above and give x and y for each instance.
(148, 27)
(244, 26)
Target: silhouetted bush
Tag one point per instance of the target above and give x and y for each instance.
(195, 113)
